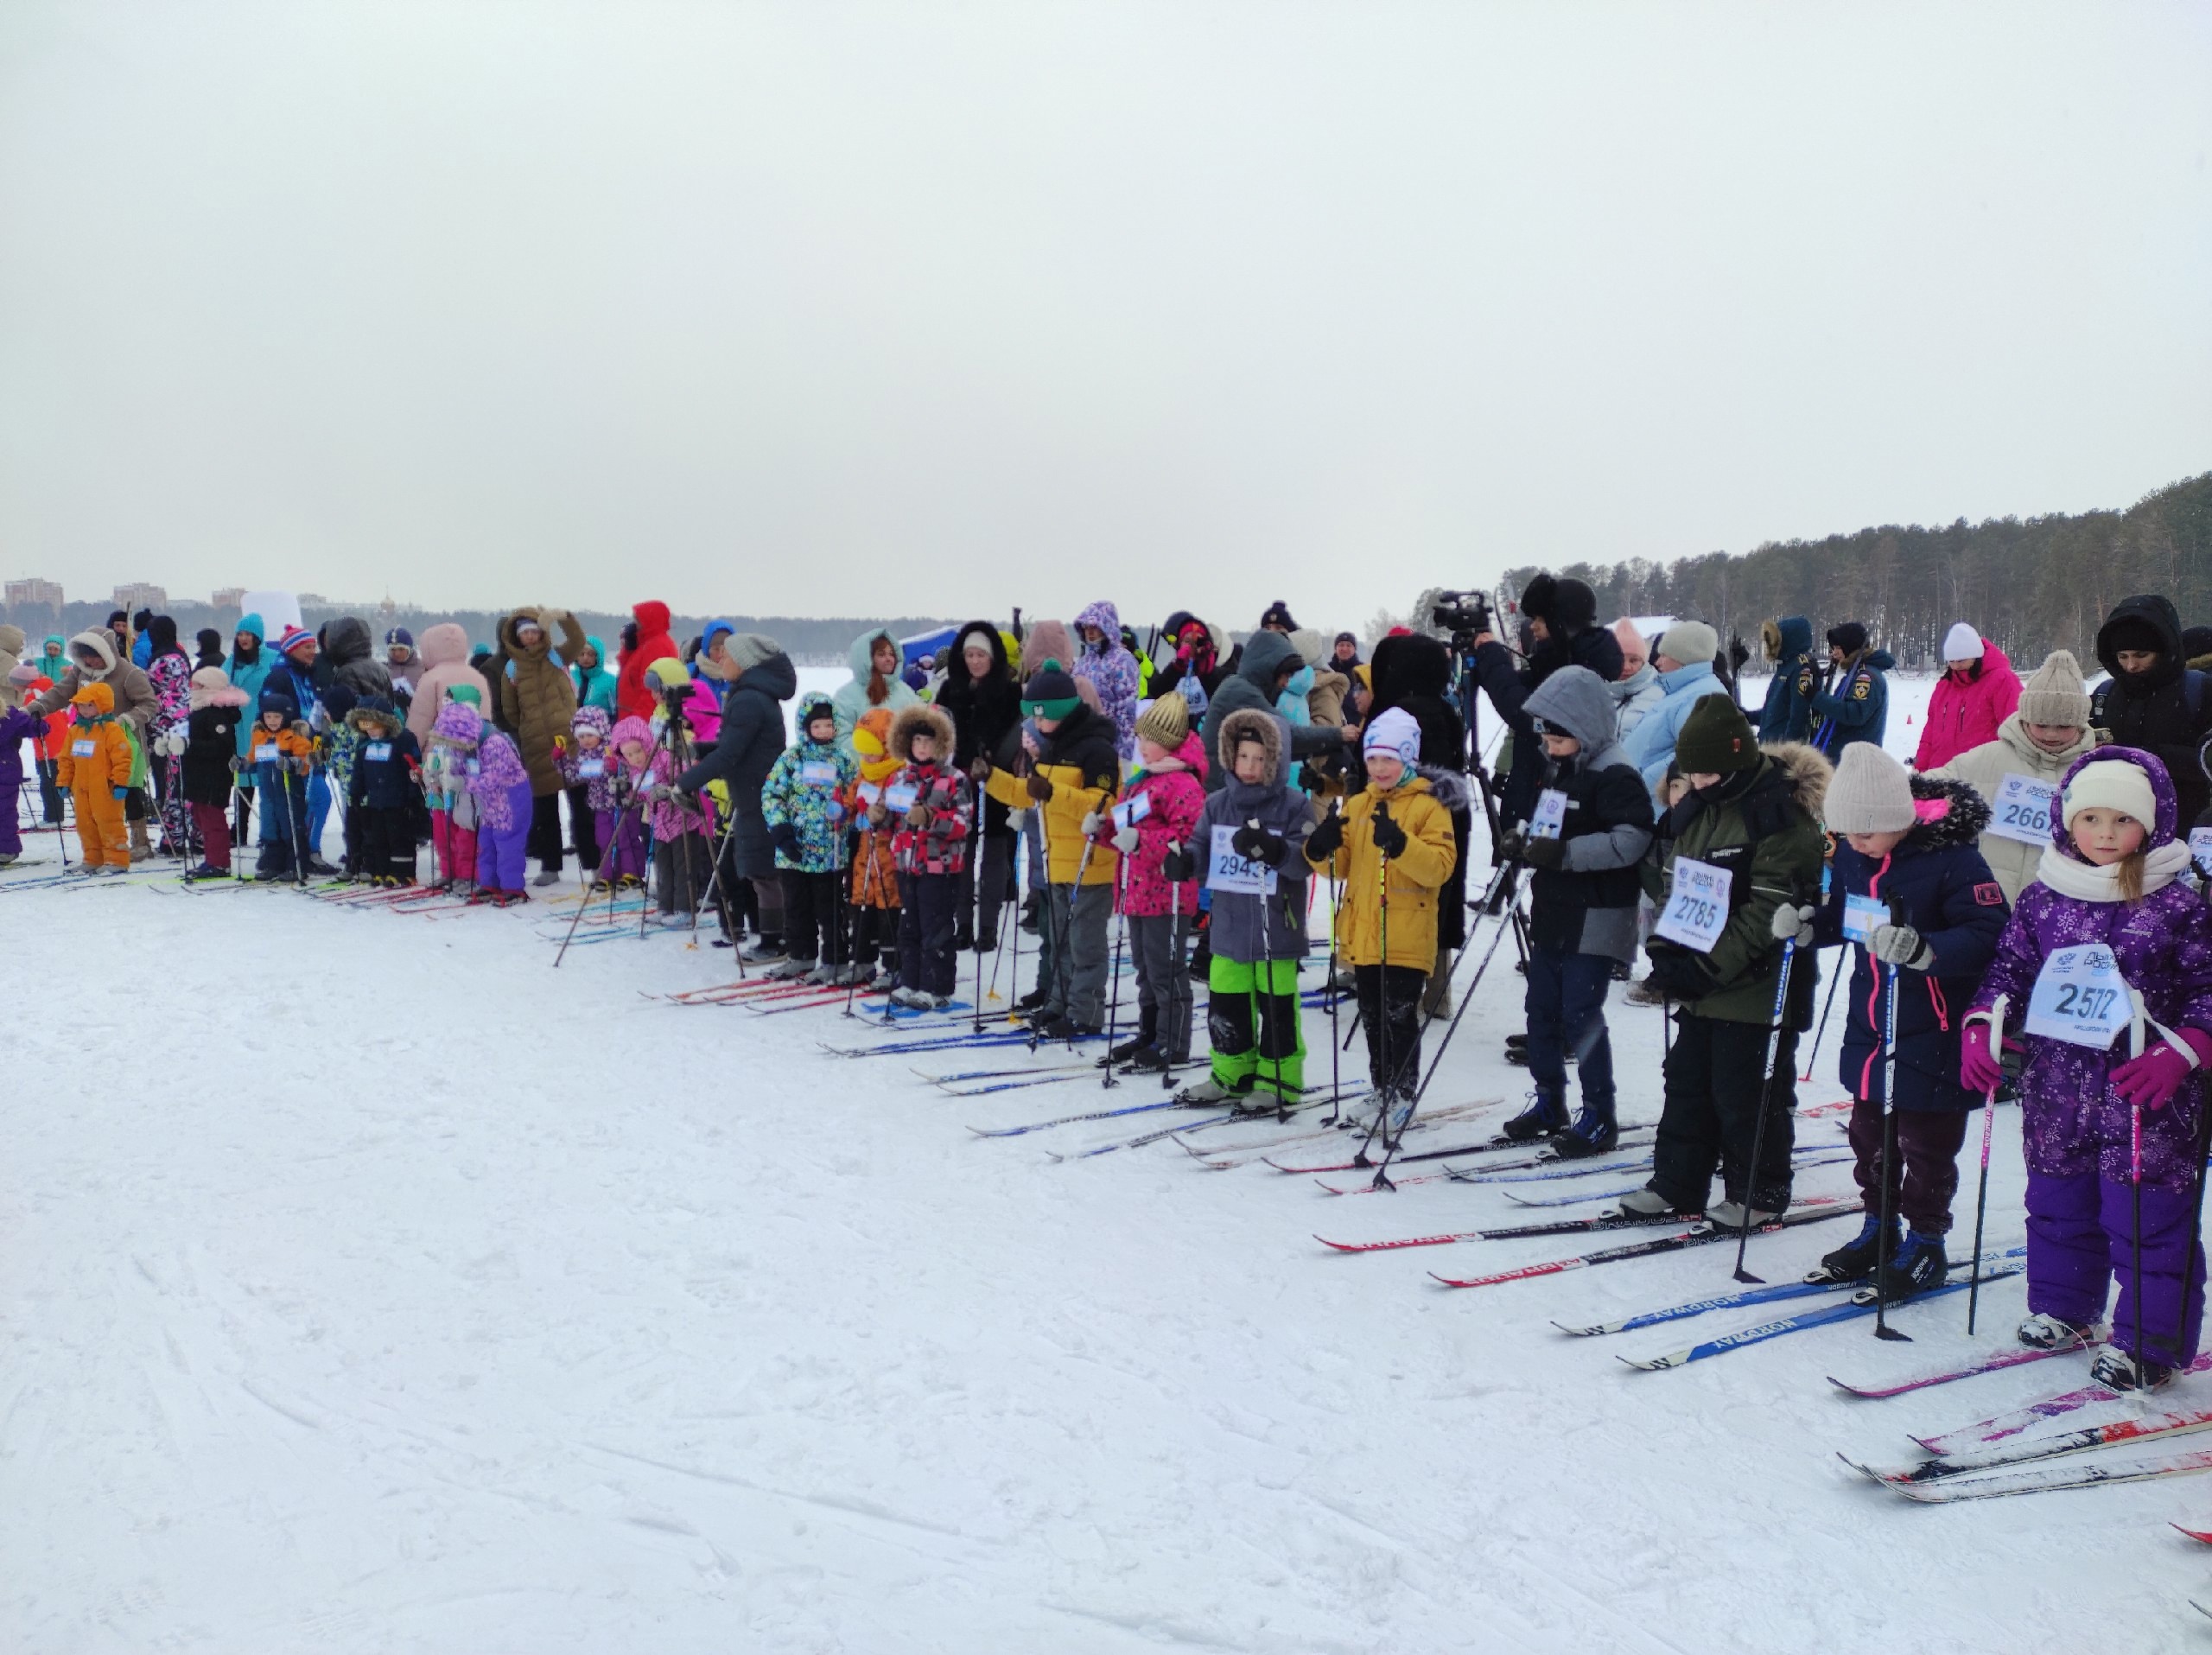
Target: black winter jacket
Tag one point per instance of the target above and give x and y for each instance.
(2152, 710)
(751, 740)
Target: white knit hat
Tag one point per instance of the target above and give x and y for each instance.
(1868, 793)
(1961, 643)
(1689, 642)
(2111, 784)
(1393, 732)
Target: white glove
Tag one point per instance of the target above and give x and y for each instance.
(1900, 945)
(1091, 823)
(1794, 924)
(1125, 841)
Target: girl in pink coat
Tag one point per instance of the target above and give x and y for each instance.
(1154, 826)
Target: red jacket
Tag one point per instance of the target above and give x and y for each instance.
(633, 697)
(1964, 712)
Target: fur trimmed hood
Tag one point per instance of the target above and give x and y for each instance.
(923, 719)
(1249, 725)
(1951, 813)
(212, 687)
(1807, 771)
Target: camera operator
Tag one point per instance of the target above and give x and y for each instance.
(1562, 617)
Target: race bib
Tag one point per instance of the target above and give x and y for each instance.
(2080, 997)
(1551, 815)
(901, 797)
(1132, 810)
(591, 769)
(1860, 916)
(2021, 809)
(2200, 849)
(1697, 907)
(1229, 872)
(83, 750)
(377, 752)
(818, 772)
(261, 755)
(475, 767)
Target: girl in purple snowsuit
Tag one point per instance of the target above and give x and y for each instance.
(501, 787)
(2110, 877)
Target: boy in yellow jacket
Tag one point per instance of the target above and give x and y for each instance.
(1392, 847)
(95, 766)
(1072, 781)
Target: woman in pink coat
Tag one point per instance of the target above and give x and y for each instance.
(1976, 695)
(444, 655)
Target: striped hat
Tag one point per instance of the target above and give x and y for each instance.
(292, 639)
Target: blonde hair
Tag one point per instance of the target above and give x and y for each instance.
(2129, 878)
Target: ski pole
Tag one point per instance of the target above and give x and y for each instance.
(1766, 1108)
(1114, 1003)
(1178, 977)
(1988, 1127)
(1336, 1052)
(2203, 1139)
(975, 888)
(576, 918)
(1890, 1178)
(2135, 1182)
(1063, 950)
(1827, 876)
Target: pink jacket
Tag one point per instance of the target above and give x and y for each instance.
(1178, 794)
(1964, 714)
(444, 655)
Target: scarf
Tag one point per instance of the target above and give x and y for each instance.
(2087, 883)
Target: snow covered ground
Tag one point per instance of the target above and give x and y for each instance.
(369, 1285)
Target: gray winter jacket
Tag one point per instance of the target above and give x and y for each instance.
(1245, 927)
(1250, 688)
(1588, 904)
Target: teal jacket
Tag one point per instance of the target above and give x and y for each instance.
(595, 687)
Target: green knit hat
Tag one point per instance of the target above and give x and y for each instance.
(1716, 739)
(1050, 692)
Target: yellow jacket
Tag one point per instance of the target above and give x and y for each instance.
(1414, 877)
(1078, 759)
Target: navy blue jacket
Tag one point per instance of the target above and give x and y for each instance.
(1788, 715)
(1937, 883)
(386, 784)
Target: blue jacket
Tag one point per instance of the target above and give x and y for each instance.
(1937, 882)
(1788, 715)
(386, 783)
(1859, 710)
(1650, 745)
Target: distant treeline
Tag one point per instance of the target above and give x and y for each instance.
(2033, 586)
(809, 641)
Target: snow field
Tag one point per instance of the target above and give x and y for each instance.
(370, 1286)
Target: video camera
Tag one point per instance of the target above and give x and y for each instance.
(1460, 613)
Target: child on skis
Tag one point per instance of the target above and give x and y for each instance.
(587, 765)
(1071, 781)
(211, 763)
(874, 888)
(1157, 820)
(931, 846)
(629, 787)
(1250, 838)
(382, 791)
(1392, 847)
(17, 725)
(2103, 1067)
(798, 802)
(445, 786)
(498, 787)
(96, 768)
(1910, 889)
(1590, 829)
(282, 755)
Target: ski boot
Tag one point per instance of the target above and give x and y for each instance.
(1208, 1093)
(1147, 1026)
(1517, 1050)
(1546, 1115)
(1595, 1133)
(1147, 1059)
(1914, 1268)
(1648, 1203)
(787, 968)
(2131, 1376)
(1729, 1215)
(1855, 1261)
(823, 977)
(2044, 1331)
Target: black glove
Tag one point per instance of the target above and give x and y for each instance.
(1327, 839)
(684, 801)
(1389, 837)
(787, 841)
(1256, 843)
(1178, 865)
(1681, 975)
(1545, 853)
(1512, 845)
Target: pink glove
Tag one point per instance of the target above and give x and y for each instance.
(1980, 1073)
(2152, 1080)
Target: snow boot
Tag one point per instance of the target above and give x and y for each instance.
(141, 848)
(1546, 1115)
(1595, 1133)
(762, 951)
(2131, 1376)
(2042, 1332)
(1729, 1215)
(1031, 1000)
(193, 876)
(1914, 1268)
(1648, 1203)
(1855, 1261)
(1147, 1059)
(823, 976)
(1058, 1026)
(1030, 907)
(1208, 1093)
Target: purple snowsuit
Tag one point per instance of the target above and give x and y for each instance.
(2076, 1129)
(17, 727)
(501, 789)
(1112, 670)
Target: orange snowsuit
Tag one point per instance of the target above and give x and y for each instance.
(95, 759)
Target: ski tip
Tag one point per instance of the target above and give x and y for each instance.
(1331, 1188)
(1578, 1333)
(1337, 1246)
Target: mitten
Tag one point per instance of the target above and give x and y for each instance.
(1092, 821)
(1793, 923)
(1176, 865)
(1041, 785)
(1900, 945)
(980, 771)
(1389, 837)
(1546, 854)
(919, 818)
(1327, 839)
(1125, 840)
(787, 840)
(1680, 976)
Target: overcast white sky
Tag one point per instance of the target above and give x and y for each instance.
(836, 309)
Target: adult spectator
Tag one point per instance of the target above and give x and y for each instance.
(2196, 646)
(11, 649)
(759, 677)
(1637, 690)
(1788, 713)
(2154, 700)
(1684, 661)
(402, 662)
(1562, 621)
(2037, 744)
(875, 660)
(1270, 662)
(1190, 661)
(1111, 669)
(248, 670)
(1276, 618)
(210, 643)
(984, 702)
(1857, 706)
(445, 668)
(1977, 693)
(1345, 657)
(538, 702)
(644, 640)
(1412, 671)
